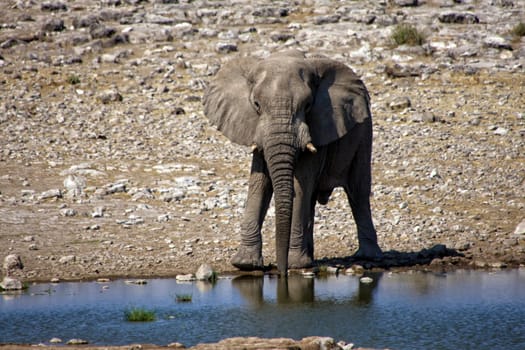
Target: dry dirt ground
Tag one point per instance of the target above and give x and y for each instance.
(109, 168)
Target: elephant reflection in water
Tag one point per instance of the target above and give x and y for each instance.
(298, 289)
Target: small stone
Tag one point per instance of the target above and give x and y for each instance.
(77, 342)
(98, 212)
(11, 283)
(355, 270)
(55, 340)
(425, 117)
(185, 278)
(53, 6)
(400, 103)
(406, 3)
(68, 212)
(434, 174)
(366, 280)
(520, 229)
(225, 47)
(501, 131)
(326, 19)
(458, 18)
(74, 185)
(55, 280)
(12, 262)
(204, 273)
(67, 259)
(53, 25)
(498, 265)
(54, 193)
(137, 282)
(497, 42)
(110, 95)
(332, 270)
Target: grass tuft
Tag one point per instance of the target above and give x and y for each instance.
(519, 30)
(73, 79)
(183, 298)
(406, 34)
(139, 315)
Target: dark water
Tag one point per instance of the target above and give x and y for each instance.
(461, 310)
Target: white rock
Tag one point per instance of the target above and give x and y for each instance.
(366, 280)
(10, 283)
(185, 278)
(67, 259)
(12, 262)
(520, 229)
(204, 273)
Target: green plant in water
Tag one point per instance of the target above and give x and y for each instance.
(519, 30)
(139, 315)
(406, 34)
(183, 298)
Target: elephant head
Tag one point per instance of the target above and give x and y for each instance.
(281, 106)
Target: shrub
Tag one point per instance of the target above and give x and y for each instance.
(73, 79)
(519, 29)
(139, 315)
(407, 34)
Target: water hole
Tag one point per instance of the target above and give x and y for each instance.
(458, 310)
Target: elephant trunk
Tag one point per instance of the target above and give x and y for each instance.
(279, 152)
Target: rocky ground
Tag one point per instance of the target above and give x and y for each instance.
(108, 166)
(249, 343)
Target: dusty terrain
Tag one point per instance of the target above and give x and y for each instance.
(108, 166)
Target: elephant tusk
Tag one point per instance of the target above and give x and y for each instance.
(310, 146)
(254, 148)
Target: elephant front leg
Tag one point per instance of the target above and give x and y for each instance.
(249, 254)
(301, 254)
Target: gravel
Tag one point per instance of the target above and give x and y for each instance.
(108, 162)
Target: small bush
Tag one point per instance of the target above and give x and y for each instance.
(405, 34)
(518, 30)
(139, 315)
(73, 79)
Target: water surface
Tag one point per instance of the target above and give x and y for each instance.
(460, 310)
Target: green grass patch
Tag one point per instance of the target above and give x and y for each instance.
(73, 79)
(139, 315)
(183, 298)
(518, 30)
(406, 34)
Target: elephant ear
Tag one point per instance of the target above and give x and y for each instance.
(227, 102)
(341, 100)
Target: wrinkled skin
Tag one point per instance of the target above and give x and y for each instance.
(308, 121)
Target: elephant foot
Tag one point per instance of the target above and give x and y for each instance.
(248, 259)
(298, 259)
(369, 251)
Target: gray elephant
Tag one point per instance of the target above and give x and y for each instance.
(308, 121)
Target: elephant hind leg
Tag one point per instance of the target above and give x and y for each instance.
(358, 188)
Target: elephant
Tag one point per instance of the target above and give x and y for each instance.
(308, 121)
